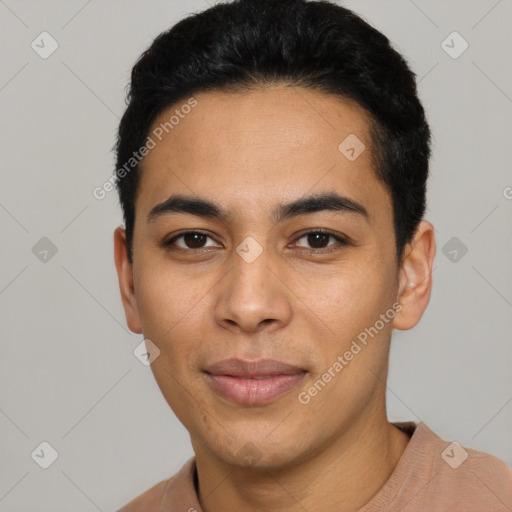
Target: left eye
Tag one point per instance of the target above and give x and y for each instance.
(318, 238)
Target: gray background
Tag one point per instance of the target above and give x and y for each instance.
(68, 373)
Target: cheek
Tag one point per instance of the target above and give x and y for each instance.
(347, 298)
(165, 297)
(171, 314)
(171, 309)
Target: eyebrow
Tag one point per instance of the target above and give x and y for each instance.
(332, 201)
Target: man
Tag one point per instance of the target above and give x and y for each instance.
(272, 167)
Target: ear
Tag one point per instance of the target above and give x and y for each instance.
(415, 280)
(125, 276)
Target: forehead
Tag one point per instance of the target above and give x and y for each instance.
(257, 147)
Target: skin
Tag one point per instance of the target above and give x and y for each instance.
(249, 152)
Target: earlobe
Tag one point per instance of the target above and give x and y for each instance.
(415, 282)
(125, 278)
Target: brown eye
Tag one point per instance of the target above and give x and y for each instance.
(319, 239)
(191, 240)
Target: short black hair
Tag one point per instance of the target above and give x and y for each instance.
(241, 45)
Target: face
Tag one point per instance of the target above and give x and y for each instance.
(265, 273)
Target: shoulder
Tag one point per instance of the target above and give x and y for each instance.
(470, 477)
(435, 474)
(464, 462)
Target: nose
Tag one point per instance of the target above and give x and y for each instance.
(254, 295)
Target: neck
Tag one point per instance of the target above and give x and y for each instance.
(344, 476)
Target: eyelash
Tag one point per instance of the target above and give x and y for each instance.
(340, 241)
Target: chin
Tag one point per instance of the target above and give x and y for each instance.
(253, 452)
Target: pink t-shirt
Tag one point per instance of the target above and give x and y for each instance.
(431, 476)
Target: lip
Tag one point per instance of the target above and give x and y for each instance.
(253, 382)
